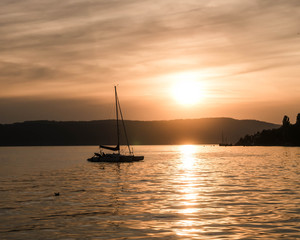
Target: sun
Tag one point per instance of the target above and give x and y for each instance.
(187, 91)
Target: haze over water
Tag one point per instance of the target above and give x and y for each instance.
(177, 192)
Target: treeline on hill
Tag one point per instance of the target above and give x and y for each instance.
(187, 131)
(287, 135)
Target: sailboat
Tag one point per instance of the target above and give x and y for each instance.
(224, 143)
(116, 156)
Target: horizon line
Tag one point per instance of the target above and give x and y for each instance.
(135, 120)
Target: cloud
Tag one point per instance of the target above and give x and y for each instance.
(68, 49)
(101, 31)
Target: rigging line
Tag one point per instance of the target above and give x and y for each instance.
(124, 126)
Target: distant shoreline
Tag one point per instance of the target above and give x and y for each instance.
(287, 135)
(94, 133)
(196, 144)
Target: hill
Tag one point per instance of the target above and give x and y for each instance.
(287, 135)
(187, 131)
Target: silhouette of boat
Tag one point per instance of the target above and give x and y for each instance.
(116, 156)
(224, 143)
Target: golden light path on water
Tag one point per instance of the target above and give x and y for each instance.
(197, 208)
(189, 193)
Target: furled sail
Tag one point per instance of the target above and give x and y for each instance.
(117, 148)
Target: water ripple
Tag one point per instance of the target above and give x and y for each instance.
(177, 192)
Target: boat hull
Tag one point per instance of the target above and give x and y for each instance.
(115, 158)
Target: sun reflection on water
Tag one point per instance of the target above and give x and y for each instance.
(187, 156)
(189, 192)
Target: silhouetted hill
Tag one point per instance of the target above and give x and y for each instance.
(193, 131)
(287, 135)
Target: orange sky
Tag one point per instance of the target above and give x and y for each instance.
(60, 59)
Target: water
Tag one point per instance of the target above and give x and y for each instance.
(177, 192)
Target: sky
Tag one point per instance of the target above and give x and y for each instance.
(59, 60)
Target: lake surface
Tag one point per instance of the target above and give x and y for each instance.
(177, 192)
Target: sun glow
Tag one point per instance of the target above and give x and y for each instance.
(187, 155)
(187, 89)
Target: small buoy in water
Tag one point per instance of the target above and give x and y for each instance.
(56, 194)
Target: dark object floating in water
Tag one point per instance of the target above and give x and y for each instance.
(56, 194)
(116, 157)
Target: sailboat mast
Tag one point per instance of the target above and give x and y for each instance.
(117, 117)
(222, 137)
